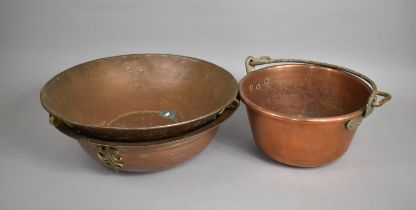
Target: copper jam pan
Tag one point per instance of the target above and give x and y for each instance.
(305, 113)
(148, 156)
(139, 97)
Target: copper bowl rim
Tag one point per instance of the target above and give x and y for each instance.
(229, 102)
(252, 105)
(62, 127)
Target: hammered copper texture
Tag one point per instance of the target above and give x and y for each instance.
(298, 113)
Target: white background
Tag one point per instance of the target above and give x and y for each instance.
(41, 168)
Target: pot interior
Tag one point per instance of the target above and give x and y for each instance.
(305, 91)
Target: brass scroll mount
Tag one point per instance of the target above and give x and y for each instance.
(110, 156)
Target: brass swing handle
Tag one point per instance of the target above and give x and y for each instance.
(251, 62)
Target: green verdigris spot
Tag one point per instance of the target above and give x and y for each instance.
(171, 115)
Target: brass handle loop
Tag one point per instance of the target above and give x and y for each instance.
(386, 97)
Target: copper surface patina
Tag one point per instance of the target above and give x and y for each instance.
(148, 156)
(305, 113)
(140, 97)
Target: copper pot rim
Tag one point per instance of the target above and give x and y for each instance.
(278, 115)
(62, 127)
(229, 102)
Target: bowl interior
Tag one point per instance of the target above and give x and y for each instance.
(305, 91)
(138, 91)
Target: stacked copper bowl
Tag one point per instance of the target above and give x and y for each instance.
(142, 112)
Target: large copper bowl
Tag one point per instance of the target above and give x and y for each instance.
(139, 97)
(305, 113)
(148, 156)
